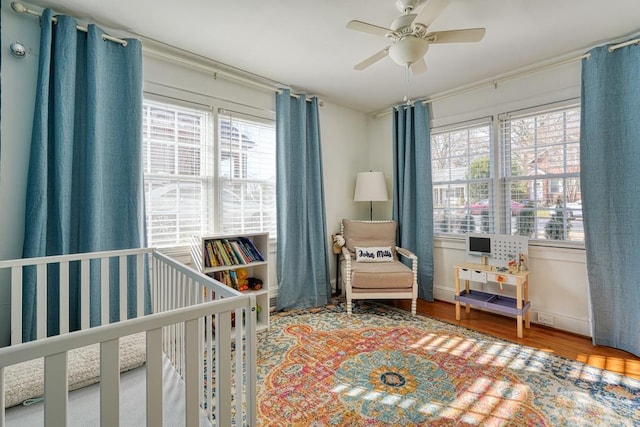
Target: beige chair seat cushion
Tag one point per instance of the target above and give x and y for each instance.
(383, 275)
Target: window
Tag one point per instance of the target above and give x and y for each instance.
(542, 156)
(199, 181)
(175, 172)
(462, 179)
(247, 174)
(534, 189)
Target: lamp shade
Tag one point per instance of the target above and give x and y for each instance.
(371, 187)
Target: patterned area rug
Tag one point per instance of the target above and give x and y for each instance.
(381, 366)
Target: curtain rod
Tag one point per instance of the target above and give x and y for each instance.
(623, 44)
(210, 69)
(273, 87)
(21, 8)
(507, 78)
(494, 82)
(543, 68)
(513, 76)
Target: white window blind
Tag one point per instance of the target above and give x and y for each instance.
(462, 176)
(247, 173)
(541, 156)
(176, 172)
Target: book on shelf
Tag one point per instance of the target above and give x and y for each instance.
(233, 279)
(248, 244)
(210, 258)
(222, 252)
(230, 252)
(227, 277)
(242, 258)
(235, 260)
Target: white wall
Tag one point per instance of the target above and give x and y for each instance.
(558, 280)
(18, 95)
(381, 159)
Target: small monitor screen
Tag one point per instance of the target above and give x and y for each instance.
(479, 245)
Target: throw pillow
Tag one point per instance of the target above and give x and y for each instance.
(374, 254)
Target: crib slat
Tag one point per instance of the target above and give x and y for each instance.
(41, 298)
(55, 390)
(209, 354)
(104, 291)
(172, 328)
(109, 383)
(181, 303)
(154, 378)
(239, 361)
(124, 295)
(250, 373)
(223, 367)
(140, 285)
(192, 378)
(85, 294)
(16, 305)
(154, 284)
(64, 297)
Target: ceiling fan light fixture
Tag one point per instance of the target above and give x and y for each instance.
(408, 50)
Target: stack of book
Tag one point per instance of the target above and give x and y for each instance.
(228, 252)
(227, 277)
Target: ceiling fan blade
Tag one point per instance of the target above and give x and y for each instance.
(430, 12)
(419, 67)
(372, 59)
(457, 36)
(368, 28)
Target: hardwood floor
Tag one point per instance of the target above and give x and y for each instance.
(547, 339)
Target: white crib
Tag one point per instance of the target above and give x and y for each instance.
(190, 326)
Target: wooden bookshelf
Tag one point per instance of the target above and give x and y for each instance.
(221, 256)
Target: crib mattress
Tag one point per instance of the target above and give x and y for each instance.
(84, 403)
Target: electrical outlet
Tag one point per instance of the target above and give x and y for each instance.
(545, 319)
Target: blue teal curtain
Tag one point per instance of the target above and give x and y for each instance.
(412, 193)
(85, 178)
(303, 260)
(609, 175)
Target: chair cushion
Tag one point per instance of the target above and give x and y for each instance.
(369, 234)
(384, 275)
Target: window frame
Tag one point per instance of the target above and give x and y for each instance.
(566, 145)
(212, 182)
(501, 174)
(244, 178)
(206, 165)
(460, 221)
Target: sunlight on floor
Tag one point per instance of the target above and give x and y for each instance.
(486, 402)
(518, 357)
(512, 356)
(615, 364)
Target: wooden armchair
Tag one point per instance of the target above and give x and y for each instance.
(369, 263)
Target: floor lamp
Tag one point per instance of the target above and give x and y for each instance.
(371, 187)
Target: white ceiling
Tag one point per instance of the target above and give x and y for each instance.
(304, 43)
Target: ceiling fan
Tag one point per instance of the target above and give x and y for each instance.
(409, 35)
